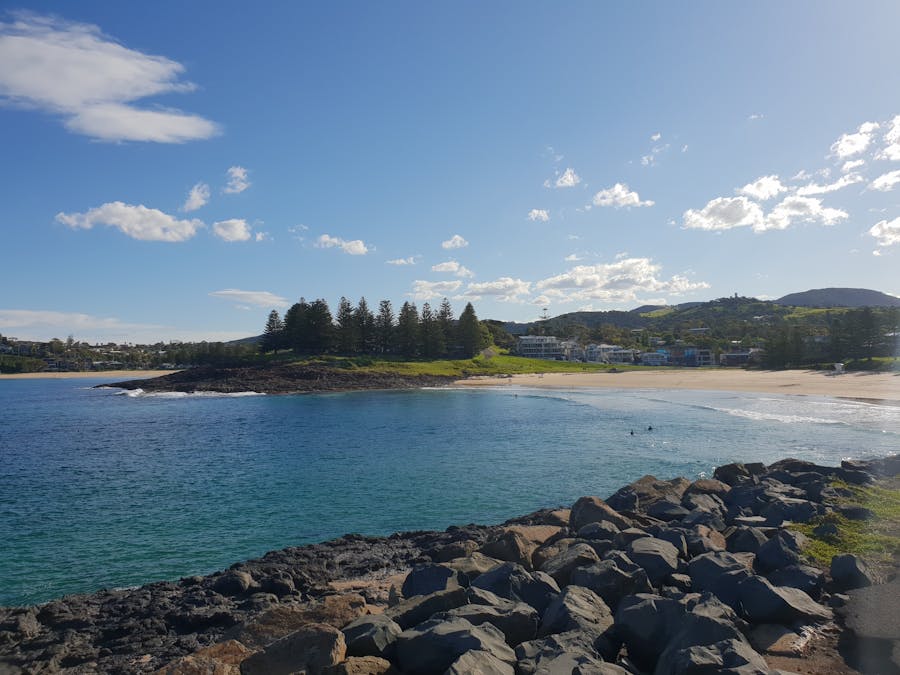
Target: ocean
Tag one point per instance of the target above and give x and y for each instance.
(104, 489)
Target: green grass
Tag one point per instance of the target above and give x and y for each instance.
(799, 313)
(658, 313)
(875, 540)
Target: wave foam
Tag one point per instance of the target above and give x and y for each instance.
(140, 393)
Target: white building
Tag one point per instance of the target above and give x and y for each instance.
(600, 353)
(654, 359)
(540, 347)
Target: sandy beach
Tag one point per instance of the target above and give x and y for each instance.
(113, 375)
(876, 388)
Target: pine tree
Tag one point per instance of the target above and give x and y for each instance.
(365, 327)
(273, 335)
(471, 337)
(432, 337)
(384, 328)
(408, 330)
(321, 327)
(347, 332)
(296, 327)
(445, 320)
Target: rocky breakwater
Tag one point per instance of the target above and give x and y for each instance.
(279, 379)
(663, 577)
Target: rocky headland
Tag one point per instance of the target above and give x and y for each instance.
(288, 378)
(664, 576)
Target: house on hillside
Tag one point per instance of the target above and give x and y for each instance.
(540, 347)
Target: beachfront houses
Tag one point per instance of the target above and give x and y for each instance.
(540, 347)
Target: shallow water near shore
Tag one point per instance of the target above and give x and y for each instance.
(99, 489)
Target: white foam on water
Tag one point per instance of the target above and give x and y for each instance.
(140, 393)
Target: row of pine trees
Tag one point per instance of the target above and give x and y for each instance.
(310, 328)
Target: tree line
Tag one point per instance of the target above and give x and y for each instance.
(310, 328)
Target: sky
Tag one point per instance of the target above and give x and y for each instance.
(174, 171)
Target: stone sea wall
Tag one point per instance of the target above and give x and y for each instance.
(664, 577)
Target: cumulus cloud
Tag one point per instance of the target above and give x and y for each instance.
(573, 257)
(618, 196)
(539, 214)
(353, 247)
(566, 179)
(454, 242)
(197, 198)
(255, 298)
(620, 281)
(763, 188)
(237, 180)
(411, 260)
(725, 213)
(426, 290)
(506, 289)
(262, 236)
(74, 71)
(891, 150)
(795, 209)
(233, 229)
(853, 144)
(454, 268)
(655, 137)
(138, 222)
(852, 164)
(840, 183)
(650, 159)
(886, 182)
(886, 233)
(755, 116)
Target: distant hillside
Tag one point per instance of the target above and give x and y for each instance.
(839, 297)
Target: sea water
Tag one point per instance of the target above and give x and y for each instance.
(101, 489)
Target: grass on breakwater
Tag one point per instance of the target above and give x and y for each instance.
(877, 540)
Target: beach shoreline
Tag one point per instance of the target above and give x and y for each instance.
(876, 388)
(111, 374)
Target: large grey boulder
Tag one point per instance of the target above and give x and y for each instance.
(568, 653)
(657, 557)
(433, 646)
(849, 571)
(600, 531)
(780, 551)
(514, 582)
(646, 623)
(371, 635)
(311, 648)
(790, 509)
(707, 568)
(761, 602)
(472, 566)
(593, 509)
(419, 608)
(561, 566)
(511, 546)
(480, 662)
(695, 630)
(674, 536)
(576, 608)
(646, 491)
(744, 539)
(808, 579)
(428, 579)
(728, 656)
(667, 511)
(613, 579)
(518, 623)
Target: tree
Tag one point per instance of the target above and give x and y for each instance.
(432, 336)
(365, 327)
(273, 335)
(471, 337)
(347, 332)
(296, 327)
(321, 327)
(445, 320)
(384, 328)
(408, 329)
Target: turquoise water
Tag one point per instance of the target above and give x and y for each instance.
(99, 489)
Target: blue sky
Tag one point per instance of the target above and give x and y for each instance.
(176, 170)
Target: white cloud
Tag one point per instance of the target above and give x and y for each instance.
(454, 242)
(802, 174)
(138, 222)
(454, 268)
(755, 116)
(233, 229)
(887, 233)
(886, 182)
(763, 188)
(506, 289)
(853, 144)
(852, 164)
(655, 137)
(567, 179)
(795, 209)
(684, 148)
(619, 195)
(197, 198)
(426, 290)
(891, 148)
(353, 247)
(539, 214)
(620, 281)
(255, 298)
(74, 71)
(724, 213)
(411, 260)
(840, 183)
(262, 236)
(573, 257)
(237, 180)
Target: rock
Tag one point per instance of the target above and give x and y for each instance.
(780, 551)
(549, 550)
(667, 511)
(234, 582)
(628, 535)
(771, 638)
(511, 546)
(541, 534)
(732, 474)
(414, 611)
(571, 652)
(695, 630)
(744, 539)
(855, 512)
(727, 656)
(362, 665)
(848, 572)
(514, 582)
(726, 587)
(646, 623)
(808, 579)
(371, 635)
(560, 566)
(675, 537)
(707, 568)
(708, 486)
(701, 539)
(279, 586)
(763, 603)
(433, 646)
(428, 579)
(456, 549)
(517, 621)
(480, 663)
(789, 509)
(872, 612)
(312, 648)
(646, 491)
(223, 658)
(472, 566)
(613, 579)
(576, 608)
(593, 509)
(825, 530)
(600, 531)
(657, 557)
